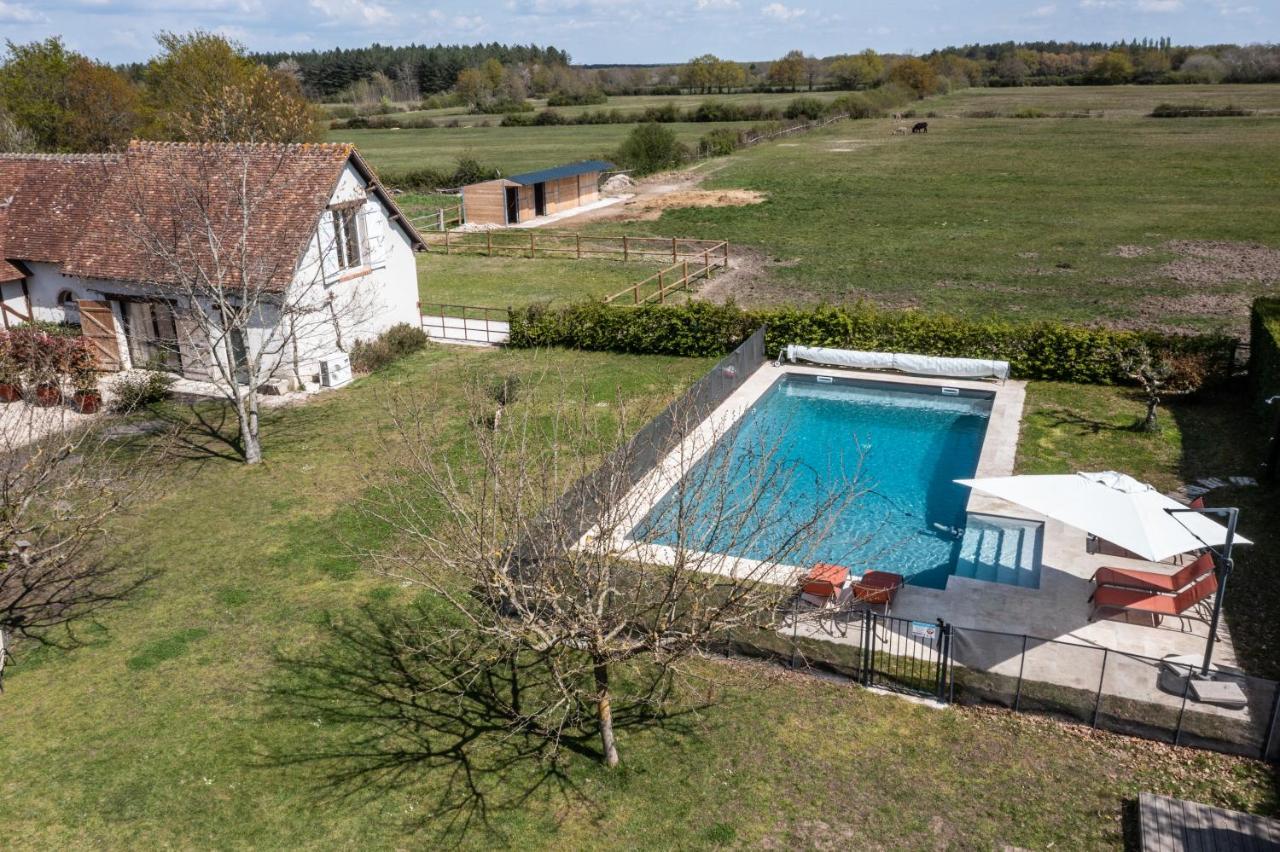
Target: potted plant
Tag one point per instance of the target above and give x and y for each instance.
(10, 373)
(84, 378)
(45, 367)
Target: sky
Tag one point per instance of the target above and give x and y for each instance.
(635, 31)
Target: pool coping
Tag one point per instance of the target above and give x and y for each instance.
(996, 458)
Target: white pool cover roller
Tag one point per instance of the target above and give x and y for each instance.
(919, 365)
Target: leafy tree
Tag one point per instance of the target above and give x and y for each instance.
(61, 101)
(33, 89)
(1111, 68)
(789, 71)
(104, 109)
(857, 72)
(204, 88)
(915, 74)
(13, 137)
(472, 86)
(699, 74)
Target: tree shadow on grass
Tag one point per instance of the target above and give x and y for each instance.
(1059, 418)
(390, 704)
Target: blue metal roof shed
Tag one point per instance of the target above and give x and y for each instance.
(560, 172)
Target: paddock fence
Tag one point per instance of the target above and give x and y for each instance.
(442, 220)
(535, 243)
(674, 278)
(800, 127)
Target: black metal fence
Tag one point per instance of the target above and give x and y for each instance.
(1106, 689)
(577, 510)
(1111, 690)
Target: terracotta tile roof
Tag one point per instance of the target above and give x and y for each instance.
(94, 214)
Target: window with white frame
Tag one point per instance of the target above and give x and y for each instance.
(347, 242)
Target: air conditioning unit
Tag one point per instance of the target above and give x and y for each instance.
(335, 371)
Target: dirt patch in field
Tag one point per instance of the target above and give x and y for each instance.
(650, 207)
(1130, 251)
(1214, 262)
(1162, 313)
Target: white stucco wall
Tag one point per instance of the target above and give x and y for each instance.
(366, 300)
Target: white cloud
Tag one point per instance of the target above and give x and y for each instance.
(718, 4)
(1159, 5)
(779, 12)
(360, 12)
(17, 13)
(1044, 11)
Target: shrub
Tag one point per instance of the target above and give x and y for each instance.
(651, 148)
(665, 114)
(139, 390)
(1197, 111)
(807, 108)
(718, 143)
(548, 118)
(1264, 352)
(856, 105)
(1048, 351)
(588, 97)
(388, 347)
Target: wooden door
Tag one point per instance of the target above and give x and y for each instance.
(98, 327)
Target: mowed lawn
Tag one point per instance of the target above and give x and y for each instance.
(1022, 219)
(161, 731)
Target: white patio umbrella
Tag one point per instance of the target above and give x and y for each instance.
(1112, 506)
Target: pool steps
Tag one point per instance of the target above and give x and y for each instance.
(1000, 550)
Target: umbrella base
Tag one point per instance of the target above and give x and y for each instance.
(1223, 686)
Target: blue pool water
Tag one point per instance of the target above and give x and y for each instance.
(898, 446)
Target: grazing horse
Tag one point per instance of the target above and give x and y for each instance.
(920, 127)
(900, 131)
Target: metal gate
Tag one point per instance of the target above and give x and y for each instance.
(906, 656)
(883, 651)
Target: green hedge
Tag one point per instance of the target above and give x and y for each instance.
(1264, 351)
(1049, 351)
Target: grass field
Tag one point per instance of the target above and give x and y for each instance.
(161, 731)
(633, 105)
(1016, 218)
(1113, 101)
(503, 282)
(511, 149)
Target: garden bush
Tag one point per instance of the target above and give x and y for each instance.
(132, 391)
(1046, 350)
(1264, 352)
(390, 346)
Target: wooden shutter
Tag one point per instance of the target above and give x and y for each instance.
(98, 327)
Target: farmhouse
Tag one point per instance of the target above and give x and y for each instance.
(519, 198)
(148, 249)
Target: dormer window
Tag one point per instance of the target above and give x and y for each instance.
(348, 246)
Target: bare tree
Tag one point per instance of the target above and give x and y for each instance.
(60, 485)
(614, 586)
(255, 310)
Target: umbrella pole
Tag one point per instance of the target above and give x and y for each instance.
(1223, 564)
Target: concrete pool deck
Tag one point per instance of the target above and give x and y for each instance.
(1058, 610)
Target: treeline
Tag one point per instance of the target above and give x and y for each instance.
(1141, 61)
(415, 70)
(201, 87)
(1146, 60)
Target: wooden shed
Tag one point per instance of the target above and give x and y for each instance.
(519, 198)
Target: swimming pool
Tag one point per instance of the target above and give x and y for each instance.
(810, 438)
